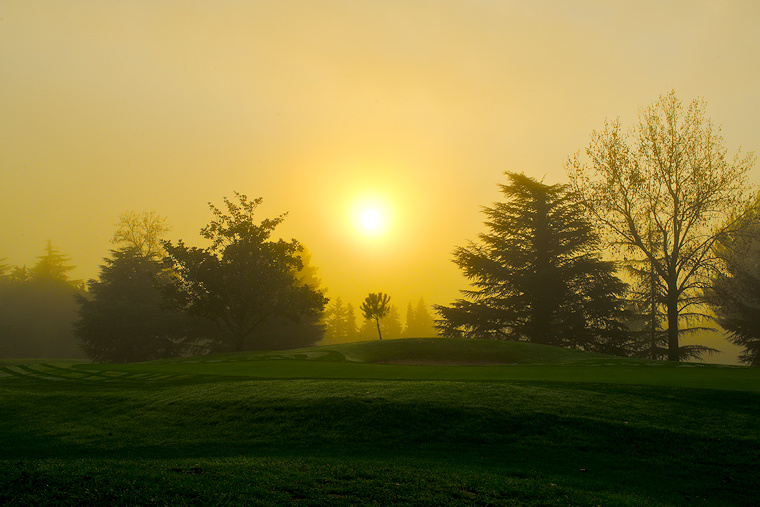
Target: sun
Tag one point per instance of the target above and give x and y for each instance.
(371, 217)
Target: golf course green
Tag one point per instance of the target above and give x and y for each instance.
(398, 422)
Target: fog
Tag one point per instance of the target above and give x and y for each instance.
(320, 107)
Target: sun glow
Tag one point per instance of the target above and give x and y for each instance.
(371, 217)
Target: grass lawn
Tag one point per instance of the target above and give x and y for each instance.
(344, 425)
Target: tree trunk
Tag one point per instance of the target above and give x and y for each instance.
(377, 321)
(672, 324)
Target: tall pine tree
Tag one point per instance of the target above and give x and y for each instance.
(537, 276)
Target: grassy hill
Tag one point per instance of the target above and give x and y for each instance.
(348, 425)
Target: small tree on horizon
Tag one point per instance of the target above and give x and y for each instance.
(376, 306)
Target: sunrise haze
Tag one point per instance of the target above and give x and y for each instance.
(410, 111)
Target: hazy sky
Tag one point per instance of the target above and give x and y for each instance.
(320, 106)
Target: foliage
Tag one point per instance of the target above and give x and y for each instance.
(375, 307)
(244, 281)
(537, 275)
(308, 329)
(340, 322)
(734, 294)
(51, 267)
(37, 309)
(390, 326)
(660, 191)
(143, 232)
(647, 317)
(419, 321)
(121, 319)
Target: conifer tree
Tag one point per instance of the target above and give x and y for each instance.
(537, 275)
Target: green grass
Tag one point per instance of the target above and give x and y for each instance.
(322, 426)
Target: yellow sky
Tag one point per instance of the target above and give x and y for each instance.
(108, 106)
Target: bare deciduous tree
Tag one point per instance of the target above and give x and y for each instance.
(141, 231)
(665, 191)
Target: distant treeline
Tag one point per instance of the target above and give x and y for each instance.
(38, 308)
(657, 233)
(156, 299)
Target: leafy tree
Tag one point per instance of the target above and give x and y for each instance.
(244, 281)
(660, 191)
(143, 232)
(306, 330)
(419, 321)
(647, 318)
(537, 275)
(734, 294)
(375, 307)
(121, 319)
(390, 326)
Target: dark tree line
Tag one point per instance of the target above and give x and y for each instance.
(157, 299)
(37, 308)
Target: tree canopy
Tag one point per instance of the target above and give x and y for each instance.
(122, 318)
(664, 192)
(244, 280)
(144, 232)
(376, 306)
(536, 274)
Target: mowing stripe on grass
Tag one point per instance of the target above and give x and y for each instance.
(739, 379)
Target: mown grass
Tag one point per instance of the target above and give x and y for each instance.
(79, 436)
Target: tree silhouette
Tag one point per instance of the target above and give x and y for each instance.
(338, 327)
(52, 266)
(660, 191)
(734, 294)
(537, 275)
(37, 309)
(419, 321)
(244, 281)
(122, 318)
(376, 306)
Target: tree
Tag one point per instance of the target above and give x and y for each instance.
(340, 322)
(647, 317)
(37, 309)
(537, 275)
(419, 321)
(734, 294)
(51, 266)
(351, 330)
(661, 192)
(308, 327)
(144, 232)
(242, 282)
(122, 320)
(376, 306)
